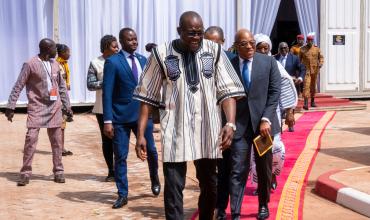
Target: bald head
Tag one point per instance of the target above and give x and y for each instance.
(188, 17)
(191, 31)
(245, 43)
(215, 34)
(47, 48)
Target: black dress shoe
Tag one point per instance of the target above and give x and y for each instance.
(59, 178)
(156, 185)
(263, 212)
(121, 201)
(24, 180)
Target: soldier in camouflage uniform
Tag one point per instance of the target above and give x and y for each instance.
(311, 57)
(297, 47)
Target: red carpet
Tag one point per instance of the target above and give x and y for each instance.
(295, 144)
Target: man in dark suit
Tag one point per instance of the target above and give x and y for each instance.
(256, 115)
(293, 66)
(121, 111)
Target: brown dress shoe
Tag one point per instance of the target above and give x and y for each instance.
(24, 180)
(59, 178)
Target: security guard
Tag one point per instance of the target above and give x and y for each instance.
(311, 57)
(296, 48)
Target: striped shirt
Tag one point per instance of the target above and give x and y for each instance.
(188, 88)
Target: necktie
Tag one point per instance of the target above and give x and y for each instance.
(134, 67)
(245, 74)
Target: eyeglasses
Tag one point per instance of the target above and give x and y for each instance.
(195, 33)
(282, 48)
(246, 43)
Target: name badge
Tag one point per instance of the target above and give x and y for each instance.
(53, 94)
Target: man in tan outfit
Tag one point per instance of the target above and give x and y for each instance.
(297, 47)
(311, 57)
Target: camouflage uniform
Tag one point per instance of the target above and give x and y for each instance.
(313, 60)
(295, 49)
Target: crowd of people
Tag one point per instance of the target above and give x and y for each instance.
(212, 104)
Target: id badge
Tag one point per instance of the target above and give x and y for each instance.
(53, 94)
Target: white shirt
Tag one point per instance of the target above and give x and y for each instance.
(283, 60)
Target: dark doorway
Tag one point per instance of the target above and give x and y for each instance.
(286, 26)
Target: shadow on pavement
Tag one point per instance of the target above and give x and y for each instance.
(14, 177)
(360, 130)
(359, 154)
(89, 196)
(149, 211)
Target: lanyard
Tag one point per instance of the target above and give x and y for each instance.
(46, 69)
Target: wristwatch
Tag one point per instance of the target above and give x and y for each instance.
(232, 125)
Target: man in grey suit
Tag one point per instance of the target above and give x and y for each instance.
(256, 115)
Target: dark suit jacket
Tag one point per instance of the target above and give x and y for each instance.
(118, 87)
(293, 66)
(262, 97)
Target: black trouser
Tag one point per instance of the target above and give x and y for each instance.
(240, 163)
(223, 179)
(175, 176)
(107, 145)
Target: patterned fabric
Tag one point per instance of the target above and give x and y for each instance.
(65, 71)
(188, 87)
(95, 82)
(288, 99)
(42, 112)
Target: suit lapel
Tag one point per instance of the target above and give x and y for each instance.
(141, 59)
(255, 65)
(125, 65)
(236, 65)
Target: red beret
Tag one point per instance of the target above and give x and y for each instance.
(300, 36)
(310, 37)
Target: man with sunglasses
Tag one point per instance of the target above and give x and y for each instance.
(189, 79)
(255, 115)
(293, 66)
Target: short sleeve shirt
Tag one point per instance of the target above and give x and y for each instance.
(188, 87)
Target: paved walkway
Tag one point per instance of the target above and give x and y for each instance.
(85, 195)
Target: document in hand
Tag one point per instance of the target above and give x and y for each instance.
(263, 144)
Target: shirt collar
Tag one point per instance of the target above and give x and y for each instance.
(241, 60)
(127, 54)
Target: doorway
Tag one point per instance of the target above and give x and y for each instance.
(286, 26)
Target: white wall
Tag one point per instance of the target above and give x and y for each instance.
(342, 67)
(367, 47)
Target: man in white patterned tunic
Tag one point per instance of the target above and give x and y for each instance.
(188, 79)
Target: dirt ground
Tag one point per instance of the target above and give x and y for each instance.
(85, 195)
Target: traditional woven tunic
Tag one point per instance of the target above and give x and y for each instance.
(42, 112)
(193, 85)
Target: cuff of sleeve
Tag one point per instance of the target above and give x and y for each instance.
(230, 95)
(300, 78)
(266, 119)
(146, 100)
(108, 122)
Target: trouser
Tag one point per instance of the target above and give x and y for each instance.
(107, 145)
(121, 141)
(223, 179)
(32, 136)
(175, 176)
(310, 81)
(240, 163)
